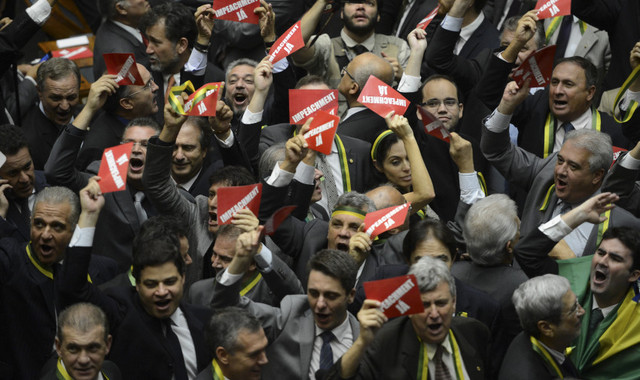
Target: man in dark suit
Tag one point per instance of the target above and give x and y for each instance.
(156, 335)
(82, 342)
(29, 279)
(119, 33)
(19, 182)
(383, 349)
(550, 315)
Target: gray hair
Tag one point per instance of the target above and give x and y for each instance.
(82, 317)
(225, 325)
(229, 231)
(55, 69)
(598, 143)
(540, 298)
(270, 158)
(57, 195)
(430, 272)
(490, 223)
(357, 200)
(239, 62)
(511, 24)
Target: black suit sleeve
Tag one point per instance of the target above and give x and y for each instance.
(532, 253)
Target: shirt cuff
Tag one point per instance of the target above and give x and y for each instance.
(39, 12)
(197, 62)
(452, 24)
(280, 66)
(264, 259)
(629, 162)
(279, 177)
(251, 118)
(497, 122)
(228, 279)
(305, 174)
(228, 143)
(501, 57)
(470, 190)
(82, 237)
(409, 83)
(555, 229)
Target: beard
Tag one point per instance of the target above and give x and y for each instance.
(166, 67)
(361, 30)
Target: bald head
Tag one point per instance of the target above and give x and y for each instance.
(358, 72)
(385, 196)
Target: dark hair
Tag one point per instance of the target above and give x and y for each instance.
(12, 139)
(630, 237)
(229, 231)
(232, 176)
(420, 231)
(143, 122)
(590, 70)
(82, 317)
(337, 264)
(384, 146)
(270, 158)
(179, 22)
(57, 68)
(113, 101)
(225, 325)
(440, 77)
(311, 79)
(158, 226)
(157, 251)
(201, 123)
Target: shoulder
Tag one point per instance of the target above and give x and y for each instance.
(471, 329)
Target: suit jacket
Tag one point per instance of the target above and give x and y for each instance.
(535, 175)
(624, 182)
(106, 130)
(395, 351)
(365, 125)
(289, 328)
(139, 347)
(420, 10)
(14, 37)
(109, 369)
(521, 362)
(111, 38)
(22, 231)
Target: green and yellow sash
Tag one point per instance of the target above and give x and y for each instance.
(40, 268)
(550, 127)
(62, 374)
(251, 283)
(625, 86)
(551, 364)
(217, 371)
(555, 23)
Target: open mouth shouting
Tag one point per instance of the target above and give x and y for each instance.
(136, 164)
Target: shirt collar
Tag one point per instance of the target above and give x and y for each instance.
(133, 31)
(467, 31)
(558, 356)
(605, 310)
(352, 111)
(432, 347)
(583, 121)
(369, 43)
(187, 185)
(340, 332)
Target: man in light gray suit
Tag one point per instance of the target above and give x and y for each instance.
(306, 334)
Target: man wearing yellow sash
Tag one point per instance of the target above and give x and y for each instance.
(238, 346)
(550, 315)
(429, 345)
(604, 283)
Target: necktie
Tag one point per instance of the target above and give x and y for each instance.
(568, 127)
(179, 369)
(594, 321)
(442, 372)
(24, 211)
(563, 36)
(137, 203)
(326, 353)
(171, 83)
(328, 186)
(359, 49)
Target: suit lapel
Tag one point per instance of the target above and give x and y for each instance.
(195, 328)
(307, 337)
(587, 41)
(472, 359)
(410, 350)
(125, 204)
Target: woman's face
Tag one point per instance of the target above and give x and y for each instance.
(396, 166)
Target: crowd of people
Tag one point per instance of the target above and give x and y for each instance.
(523, 229)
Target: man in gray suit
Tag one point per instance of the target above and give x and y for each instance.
(306, 334)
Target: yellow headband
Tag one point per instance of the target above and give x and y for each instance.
(376, 143)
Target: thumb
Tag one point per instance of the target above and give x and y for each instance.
(384, 54)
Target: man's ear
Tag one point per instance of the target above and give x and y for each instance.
(545, 328)
(598, 176)
(591, 93)
(58, 345)
(182, 45)
(126, 103)
(351, 296)
(222, 355)
(122, 11)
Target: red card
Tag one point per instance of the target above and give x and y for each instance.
(427, 20)
(203, 102)
(433, 125)
(277, 218)
(73, 53)
(553, 8)
(538, 66)
(288, 43)
(386, 219)
(304, 103)
(124, 66)
(380, 98)
(616, 154)
(399, 295)
(321, 132)
(234, 198)
(113, 168)
(236, 10)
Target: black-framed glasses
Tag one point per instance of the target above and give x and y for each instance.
(435, 103)
(146, 87)
(344, 71)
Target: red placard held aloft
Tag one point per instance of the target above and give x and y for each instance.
(427, 20)
(236, 10)
(381, 98)
(124, 66)
(304, 103)
(232, 199)
(113, 168)
(386, 219)
(553, 8)
(398, 295)
(321, 132)
(288, 43)
(538, 66)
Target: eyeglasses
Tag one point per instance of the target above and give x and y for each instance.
(142, 143)
(344, 71)
(146, 87)
(435, 103)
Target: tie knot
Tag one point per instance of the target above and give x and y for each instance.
(359, 49)
(327, 337)
(568, 127)
(439, 352)
(139, 196)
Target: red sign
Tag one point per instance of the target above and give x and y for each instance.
(616, 154)
(398, 295)
(277, 218)
(304, 103)
(73, 53)
(553, 8)
(288, 43)
(538, 66)
(203, 102)
(113, 168)
(236, 10)
(234, 198)
(124, 66)
(433, 126)
(386, 219)
(427, 20)
(321, 132)
(380, 98)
